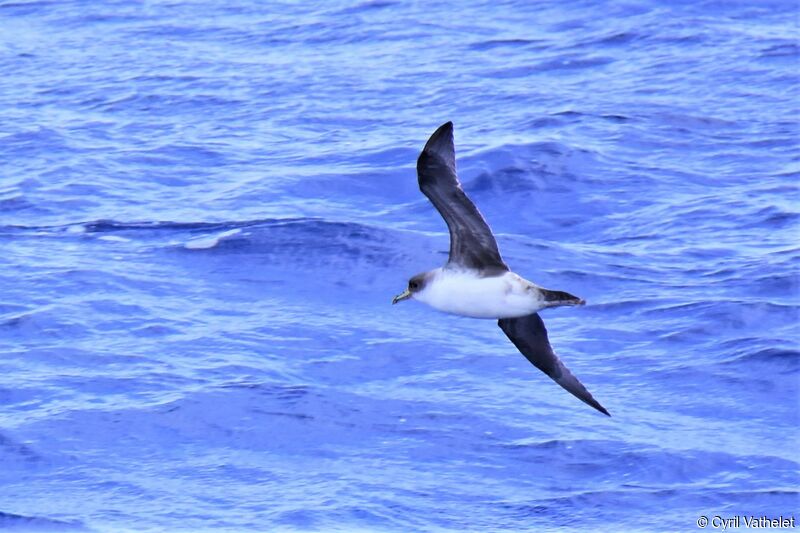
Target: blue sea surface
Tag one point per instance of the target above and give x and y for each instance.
(206, 209)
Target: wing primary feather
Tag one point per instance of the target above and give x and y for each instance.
(472, 244)
(530, 337)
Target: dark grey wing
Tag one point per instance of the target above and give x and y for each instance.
(472, 244)
(530, 337)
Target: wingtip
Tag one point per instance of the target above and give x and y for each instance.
(594, 403)
(441, 139)
(444, 127)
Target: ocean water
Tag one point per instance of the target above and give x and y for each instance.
(206, 209)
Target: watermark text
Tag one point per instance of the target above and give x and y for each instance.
(723, 523)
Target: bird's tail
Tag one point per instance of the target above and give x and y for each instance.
(558, 298)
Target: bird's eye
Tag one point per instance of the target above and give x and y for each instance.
(413, 285)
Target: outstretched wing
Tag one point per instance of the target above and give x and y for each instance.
(530, 337)
(472, 244)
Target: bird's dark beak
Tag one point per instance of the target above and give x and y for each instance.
(405, 295)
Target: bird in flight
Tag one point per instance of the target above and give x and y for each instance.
(475, 282)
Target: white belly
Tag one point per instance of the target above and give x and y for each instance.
(460, 293)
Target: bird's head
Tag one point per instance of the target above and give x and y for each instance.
(416, 285)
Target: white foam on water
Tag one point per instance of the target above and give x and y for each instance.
(203, 243)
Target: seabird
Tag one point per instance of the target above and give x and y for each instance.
(475, 282)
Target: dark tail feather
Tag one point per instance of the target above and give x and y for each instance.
(555, 298)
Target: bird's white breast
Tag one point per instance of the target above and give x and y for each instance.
(464, 293)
